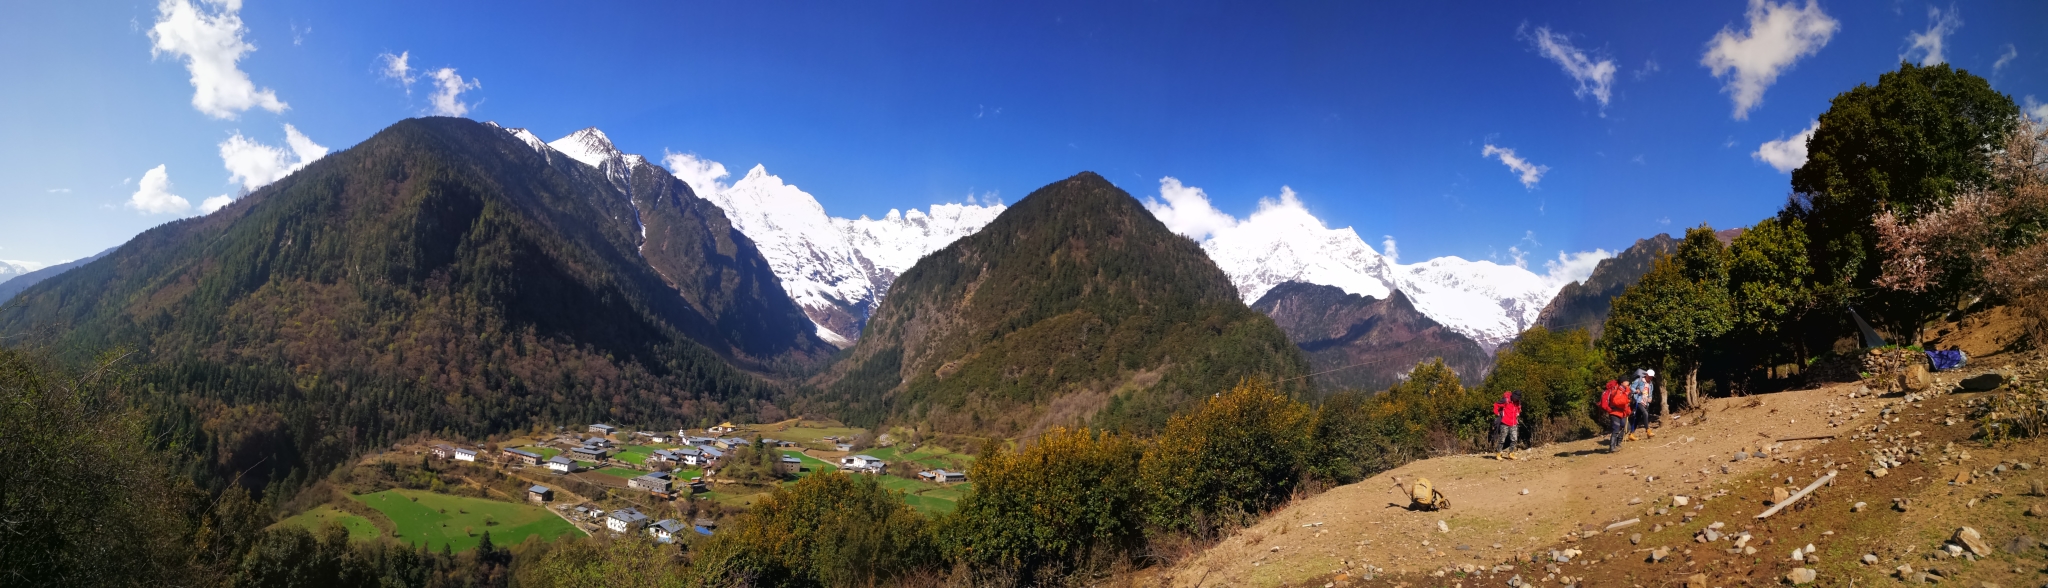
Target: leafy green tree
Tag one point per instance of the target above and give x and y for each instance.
(84, 499)
(1770, 282)
(1556, 372)
(1227, 461)
(1673, 312)
(825, 530)
(1071, 497)
(1904, 146)
(633, 561)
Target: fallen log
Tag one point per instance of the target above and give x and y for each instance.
(1804, 438)
(1801, 494)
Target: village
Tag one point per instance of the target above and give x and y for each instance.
(671, 485)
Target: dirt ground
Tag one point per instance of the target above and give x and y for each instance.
(1508, 517)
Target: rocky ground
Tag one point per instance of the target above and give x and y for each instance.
(1911, 471)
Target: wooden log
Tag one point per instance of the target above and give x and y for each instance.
(1795, 497)
(1804, 438)
(1623, 524)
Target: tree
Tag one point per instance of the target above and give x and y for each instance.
(825, 530)
(1673, 312)
(1904, 147)
(1556, 372)
(1770, 282)
(1990, 234)
(1049, 507)
(1237, 455)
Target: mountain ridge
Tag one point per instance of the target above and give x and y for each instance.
(1362, 342)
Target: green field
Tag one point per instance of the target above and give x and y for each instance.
(813, 435)
(622, 472)
(440, 519)
(546, 453)
(634, 454)
(812, 464)
(359, 528)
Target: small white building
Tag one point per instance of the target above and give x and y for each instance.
(465, 454)
(863, 463)
(666, 530)
(625, 520)
(561, 464)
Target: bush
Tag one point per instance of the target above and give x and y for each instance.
(1239, 454)
(1049, 508)
(825, 530)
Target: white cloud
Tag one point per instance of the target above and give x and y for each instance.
(1387, 248)
(60, 190)
(2005, 58)
(1778, 36)
(448, 89)
(395, 67)
(1573, 267)
(1530, 172)
(2036, 109)
(1928, 43)
(703, 175)
(215, 203)
(1786, 154)
(211, 44)
(1186, 209)
(1595, 78)
(153, 195)
(256, 165)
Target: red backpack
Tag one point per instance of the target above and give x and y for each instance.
(1614, 400)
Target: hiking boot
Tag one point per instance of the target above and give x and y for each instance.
(1630, 437)
(1499, 455)
(1650, 432)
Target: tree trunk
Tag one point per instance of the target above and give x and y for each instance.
(1663, 402)
(1692, 383)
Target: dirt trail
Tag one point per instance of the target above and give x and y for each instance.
(1365, 526)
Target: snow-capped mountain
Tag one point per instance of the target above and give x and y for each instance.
(1280, 242)
(837, 269)
(10, 268)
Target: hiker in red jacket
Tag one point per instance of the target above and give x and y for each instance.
(1615, 402)
(1507, 416)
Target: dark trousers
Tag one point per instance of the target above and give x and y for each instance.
(1617, 426)
(1509, 435)
(1642, 417)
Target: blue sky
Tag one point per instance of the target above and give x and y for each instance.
(1377, 116)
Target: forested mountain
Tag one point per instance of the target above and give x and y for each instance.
(442, 276)
(1584, 304)
(1388, 335)
(21, 282)
(1075, 303)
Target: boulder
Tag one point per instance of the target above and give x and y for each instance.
(1779, 495)
(1916, 377)
(1802, 576)
(1973, 540)
(1696, 581)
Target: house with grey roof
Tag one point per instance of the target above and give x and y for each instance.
(625, 520)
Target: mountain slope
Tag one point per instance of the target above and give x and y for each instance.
(1584, 304)
(1388, 335)
(1075, 303)
(17, 283)
(11, 269)
(836, 268)
(441, 275)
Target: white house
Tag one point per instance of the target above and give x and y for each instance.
(561, 464)
(465, 454)
(863, 463)
(665, 530)
(625, 520)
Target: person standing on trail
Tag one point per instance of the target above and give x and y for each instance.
(1507, 416)
(1614, 401)
(1639, 402)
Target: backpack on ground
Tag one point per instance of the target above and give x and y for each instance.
(1425, 496)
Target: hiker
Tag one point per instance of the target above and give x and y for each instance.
(1507, 416)
(1639, 402)
(1615, 402)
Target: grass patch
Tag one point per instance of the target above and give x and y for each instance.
(930, 506)
(621, 472)
(359, 528)
(812, 464)
(881, 453)
(634, 454)
(546, 453)
(435, 520)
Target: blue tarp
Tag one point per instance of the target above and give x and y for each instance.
(1948, 359)
(703, 531)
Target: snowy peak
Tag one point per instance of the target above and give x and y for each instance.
(11, 268)
(524, 136)
(589, 146)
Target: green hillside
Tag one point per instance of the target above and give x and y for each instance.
(1075, 305)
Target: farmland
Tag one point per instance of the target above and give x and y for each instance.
(439, 519)
(359, 528)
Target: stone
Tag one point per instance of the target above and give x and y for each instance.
(1917, 378)
(1525, 491)
(1658, 554)
(1798, 554)
(1680, 501)
(1779, 495)
(1443, 527)
(1739, 456)
(2038, 510)
(1869, 559)
(2034, 487)
(1903, 571)
(1635, 539)
(1879, 472)
(1802, 576)
(1696, 581)
(1962, 478)
(1859, 507)
(1970, 538)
